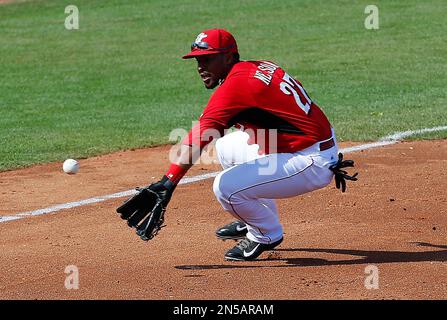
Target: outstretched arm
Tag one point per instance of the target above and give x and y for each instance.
(145, 210)
(187, 157)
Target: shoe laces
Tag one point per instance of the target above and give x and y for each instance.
(244, 244)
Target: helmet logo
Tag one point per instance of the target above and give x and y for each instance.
(200, 37)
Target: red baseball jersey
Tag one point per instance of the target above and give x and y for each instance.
(262, 99)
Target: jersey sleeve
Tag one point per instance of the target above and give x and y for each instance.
(204, 132)
(227, 101)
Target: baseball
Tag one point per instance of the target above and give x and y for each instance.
(70, 166)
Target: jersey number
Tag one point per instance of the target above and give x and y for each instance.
(290, 86)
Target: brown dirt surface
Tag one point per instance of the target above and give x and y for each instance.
(393, 218)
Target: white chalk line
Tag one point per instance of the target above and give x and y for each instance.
(392, 139)
(387, 140)
(75, 204)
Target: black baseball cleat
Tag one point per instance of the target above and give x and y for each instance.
(235, 230)
(247, 250)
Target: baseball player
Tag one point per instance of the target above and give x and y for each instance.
(283, 145)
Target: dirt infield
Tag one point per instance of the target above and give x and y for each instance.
(394, 218)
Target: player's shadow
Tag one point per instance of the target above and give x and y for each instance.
(367, 257)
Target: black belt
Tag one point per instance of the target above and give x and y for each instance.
(327, 144)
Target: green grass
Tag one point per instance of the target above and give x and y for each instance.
(118, 82)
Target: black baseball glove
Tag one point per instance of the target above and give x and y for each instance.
(145, 210)
(341, 175)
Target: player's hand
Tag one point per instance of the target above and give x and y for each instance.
(145, 210)
(164, 188)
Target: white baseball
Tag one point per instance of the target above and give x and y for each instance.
(70, 166)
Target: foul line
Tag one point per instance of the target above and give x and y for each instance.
(388, 140)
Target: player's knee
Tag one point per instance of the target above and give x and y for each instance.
(222, 191)
(217, 187)
(233, 148)
(226, 149)
(220, 150)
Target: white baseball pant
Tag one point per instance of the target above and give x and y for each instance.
(250, 182)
